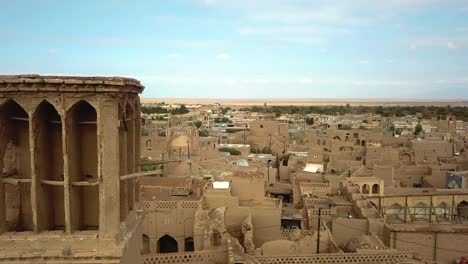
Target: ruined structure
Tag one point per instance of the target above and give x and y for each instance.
(69, 147)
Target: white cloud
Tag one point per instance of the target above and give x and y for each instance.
(451, 45)
(439, 42)
(210, 2)
(223, 56)
(173, 55)
(52, 51)
(462, 29)
(246, 31)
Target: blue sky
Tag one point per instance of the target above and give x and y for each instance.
(247, 48)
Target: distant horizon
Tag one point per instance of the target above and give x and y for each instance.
(310, 99)
(308, 102)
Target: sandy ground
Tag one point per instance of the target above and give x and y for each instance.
(299, 102)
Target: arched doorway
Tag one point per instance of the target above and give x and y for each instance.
(146, 245)
(215, 238)
(375, 188)
(167, 244)
(189, 245)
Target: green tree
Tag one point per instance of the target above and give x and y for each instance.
(204, 133)
(223, 120)
(418, 129)
(224, 110)
(198, 124)
(309, 121)
(231, 151)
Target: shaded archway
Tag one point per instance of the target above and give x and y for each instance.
(375, 188)
(365, 189)
(49, 167)
(406, 159)
(167, 244)
(420, 212)
(462, 212)
(149, 144)
(189, 244)
(215, 238)
(395, 213)
(146, 245)
(15, 163)
(82, 147)
(442, 211)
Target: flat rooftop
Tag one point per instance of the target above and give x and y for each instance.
(408, 191)
(448, 228)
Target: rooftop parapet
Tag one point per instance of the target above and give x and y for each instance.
(40, 83)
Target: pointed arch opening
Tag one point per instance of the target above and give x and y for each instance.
(442, 211)
(82, 146)
(146, 245)
(167, 244)
(189, 244)
(420, 212)
(395, 213)
(48, 153)
(365, 189)
(215, 238)
(15, 165)
(462, 212)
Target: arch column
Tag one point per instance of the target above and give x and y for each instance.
(66, 173)
(137, 133)
(130, 122)
(108, 171)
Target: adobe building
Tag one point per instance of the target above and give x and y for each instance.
(69, 151)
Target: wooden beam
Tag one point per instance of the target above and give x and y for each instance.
(141, 174)
(16, 181)
(87, 183)
(56, 183)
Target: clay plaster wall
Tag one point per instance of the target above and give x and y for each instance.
(441, 247)
(215, 201)
(233, 219)
(385, 173)
(344, 229)
(266, 222)
(248, 188)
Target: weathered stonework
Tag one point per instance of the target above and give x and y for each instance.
(74, 137)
